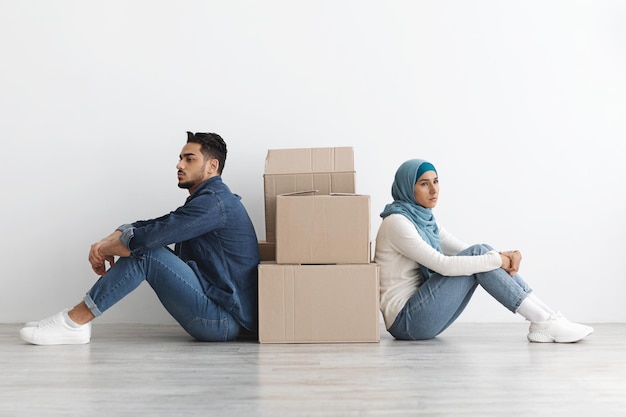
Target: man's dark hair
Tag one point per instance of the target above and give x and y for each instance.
(212, 146)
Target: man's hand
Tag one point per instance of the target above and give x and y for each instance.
(97, 260)
(105, 251)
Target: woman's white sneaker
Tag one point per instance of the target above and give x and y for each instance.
(55, 331)
(558, 330)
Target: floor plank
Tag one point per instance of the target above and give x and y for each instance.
(486, 369)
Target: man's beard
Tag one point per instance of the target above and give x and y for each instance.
(186, 185)
(193, 179)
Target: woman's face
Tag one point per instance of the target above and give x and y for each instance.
(426, 189)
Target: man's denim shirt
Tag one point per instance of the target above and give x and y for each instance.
(214, 235)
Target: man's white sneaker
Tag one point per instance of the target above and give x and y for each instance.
(55, 331)
(36, 323)
(559, 330)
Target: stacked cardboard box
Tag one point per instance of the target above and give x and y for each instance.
(327, 170)
(322, 229)
(316, 282)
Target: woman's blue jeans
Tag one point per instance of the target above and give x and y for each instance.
(440, 300)
(177, 286)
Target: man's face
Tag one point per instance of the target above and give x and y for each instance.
(192, 167)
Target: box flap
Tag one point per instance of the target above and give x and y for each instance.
(309, 160)
(296, 193)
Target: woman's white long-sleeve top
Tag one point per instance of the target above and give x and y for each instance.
(399, 252)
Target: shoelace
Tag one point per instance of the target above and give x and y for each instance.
(47, 322)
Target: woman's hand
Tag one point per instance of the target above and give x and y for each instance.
(512, 262)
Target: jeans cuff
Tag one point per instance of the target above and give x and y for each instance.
(520, 301)
(91, 305)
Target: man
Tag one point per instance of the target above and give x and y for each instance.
(208, 283)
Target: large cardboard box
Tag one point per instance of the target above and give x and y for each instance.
(318, 303)
(322, 229)
(328, 170)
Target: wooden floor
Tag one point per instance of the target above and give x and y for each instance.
(472, 369)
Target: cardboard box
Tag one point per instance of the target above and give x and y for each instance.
(328, 170)
(318, 303)
(267, 251)
(323, 229)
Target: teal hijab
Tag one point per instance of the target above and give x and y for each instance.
(404, 203)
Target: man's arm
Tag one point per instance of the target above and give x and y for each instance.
(105, 251)
(198, 216)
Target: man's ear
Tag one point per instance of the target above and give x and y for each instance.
(214, 166)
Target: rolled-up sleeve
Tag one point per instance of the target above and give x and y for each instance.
(128, 231)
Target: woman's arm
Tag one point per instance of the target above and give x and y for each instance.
(451, 245)
(404, 238)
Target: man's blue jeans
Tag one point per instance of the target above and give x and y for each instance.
(440, 300)
(177, 286)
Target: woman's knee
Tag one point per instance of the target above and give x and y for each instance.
(478, 249)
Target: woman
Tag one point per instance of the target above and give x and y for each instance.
(428, 276)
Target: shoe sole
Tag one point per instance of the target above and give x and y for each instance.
(56, 341)
(541, 337)
(70, 340)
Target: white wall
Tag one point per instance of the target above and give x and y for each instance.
(520, 106)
